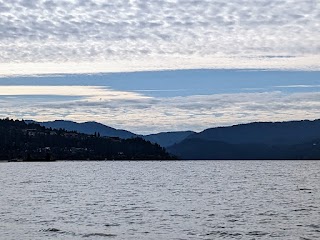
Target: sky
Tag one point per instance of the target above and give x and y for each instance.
(161, 65)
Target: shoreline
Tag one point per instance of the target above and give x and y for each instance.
(164, 160)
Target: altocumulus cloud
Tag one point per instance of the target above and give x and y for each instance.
(36, 36)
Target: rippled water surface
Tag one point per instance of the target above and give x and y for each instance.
(160, 200)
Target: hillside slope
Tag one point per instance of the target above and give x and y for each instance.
(293, 132)
(88, 128)
(166, 139)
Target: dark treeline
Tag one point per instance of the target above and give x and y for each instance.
(21, 141)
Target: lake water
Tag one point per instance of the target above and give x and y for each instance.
(160, 200)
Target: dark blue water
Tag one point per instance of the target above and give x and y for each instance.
(160, 200)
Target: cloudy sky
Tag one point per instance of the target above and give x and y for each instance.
(124, 35)
(76, 60)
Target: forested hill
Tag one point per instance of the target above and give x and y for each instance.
(262, 140)
(270, 133)
(22, 141)
(87, 128)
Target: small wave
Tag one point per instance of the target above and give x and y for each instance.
(26, 182)
(112, 225)
(268, 213)
(224, 234)
(314, 226)
(56, 230)
(99, 235)
(233, 220)
(51, 230)
(152, 210)
(300, 210)
(178, 215)
(304, 189)
(257, 233)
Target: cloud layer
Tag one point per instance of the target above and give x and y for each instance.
(144, 115)
(159, 33)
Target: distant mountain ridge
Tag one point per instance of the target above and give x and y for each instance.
(166, 139)
(259, 140)
(291, 132)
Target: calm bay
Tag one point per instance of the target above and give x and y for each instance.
(160, 200)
